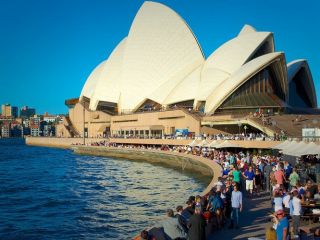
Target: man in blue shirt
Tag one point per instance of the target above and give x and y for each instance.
(282, 229)
(225, 171)
(249, 176)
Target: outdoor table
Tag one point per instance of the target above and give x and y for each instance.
(310, 205)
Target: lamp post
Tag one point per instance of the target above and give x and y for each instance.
(239, 125)
(245, 130)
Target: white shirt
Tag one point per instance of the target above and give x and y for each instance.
(296, 203)
(286, 200)
(277, 204)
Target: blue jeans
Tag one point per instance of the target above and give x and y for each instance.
(235, 215)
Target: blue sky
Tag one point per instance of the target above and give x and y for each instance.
(49, 47)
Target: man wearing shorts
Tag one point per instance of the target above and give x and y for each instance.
(249, 176)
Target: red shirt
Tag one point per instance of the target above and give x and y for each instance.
(279, 176)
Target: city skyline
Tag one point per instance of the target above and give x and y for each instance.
(49, 49)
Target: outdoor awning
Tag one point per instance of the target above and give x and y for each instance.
(103, 127)
(204, 143)
(227, 144)
(289, 150)
(193, 143)
(290, 145)
(282, 145)
(308, 149)
(213, 144)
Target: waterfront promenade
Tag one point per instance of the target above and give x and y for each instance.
(253, 220)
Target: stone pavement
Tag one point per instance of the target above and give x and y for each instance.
(253, 220)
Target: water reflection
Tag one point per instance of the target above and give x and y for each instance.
(53, 194)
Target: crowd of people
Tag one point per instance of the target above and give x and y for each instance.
(241, 136)
(244, 175)
(224, 204)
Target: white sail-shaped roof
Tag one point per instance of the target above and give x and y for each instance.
(90, 84)
(161, 61)
(108, 85)
(159, 45)
(244, 73)
(174, 84)
(186, 89)
(247, 29)
(228, 58)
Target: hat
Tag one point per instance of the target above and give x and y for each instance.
(280, 212)
(294, 190)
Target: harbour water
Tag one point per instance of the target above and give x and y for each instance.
(49, 193)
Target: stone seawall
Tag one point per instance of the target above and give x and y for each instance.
(182, 161)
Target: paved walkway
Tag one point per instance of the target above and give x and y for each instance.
(253, 220)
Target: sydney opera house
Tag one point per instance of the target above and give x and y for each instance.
(157, 82)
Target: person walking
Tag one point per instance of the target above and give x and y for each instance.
(237, 176)
(249, 176)
(236, 204)
(296, 212)
(294, 178)
(279, 176)
(257, 181)
(266, 171)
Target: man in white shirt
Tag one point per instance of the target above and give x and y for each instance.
(296, 211)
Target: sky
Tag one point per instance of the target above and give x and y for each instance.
(48, 48)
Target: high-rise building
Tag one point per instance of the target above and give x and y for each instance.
(14, 112)
(6, 110)
(26, 112)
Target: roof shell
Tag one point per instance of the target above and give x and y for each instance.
(293, 69)
(107, 86)
(186, 89)
(89, 86)
(226, 88)
(228, 58)
(159, 45)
